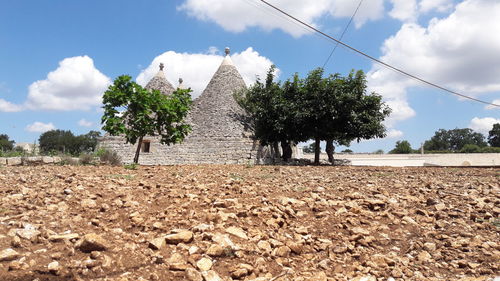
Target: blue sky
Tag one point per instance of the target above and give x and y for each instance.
(57, 57)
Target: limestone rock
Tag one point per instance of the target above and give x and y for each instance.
(180, 237)
(193, 275)
(237, 231)
(62, 237)
(204, 264)
(92, 242)
(177, 262)
(8, 255)
(215, 250)
(211, 276)
(157, 243)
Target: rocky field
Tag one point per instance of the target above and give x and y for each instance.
(261, 223)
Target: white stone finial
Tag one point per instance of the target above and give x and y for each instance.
(180, 81)
(161, 66)
(227, 51)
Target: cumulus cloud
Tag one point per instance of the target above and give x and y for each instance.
(236, 16)
(458, 52)
(404, 10)
(393, 133)
(435, 5)
(483, 125)
(85, 123)
(6, 106)
(197, 69)
(75, 85)
(39, 127)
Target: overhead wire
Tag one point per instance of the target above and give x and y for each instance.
(343, 33)
(377, 60)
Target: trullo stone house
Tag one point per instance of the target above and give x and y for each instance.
(219, 134)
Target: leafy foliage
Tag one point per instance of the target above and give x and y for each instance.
(454, 140)
(402, 147)
(494, 135)
(309, 148)
(66, 142)
(336, 109)
(5, 143)
(134, 112)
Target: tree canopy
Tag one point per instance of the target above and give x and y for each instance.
(5, 143)
(135, 112)
(334, 108)
(402, 147)
(66, 142)
(494, 135)
(454, 140)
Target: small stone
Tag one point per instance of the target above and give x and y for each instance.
(297, 248)
(211, 276)
(215, 251)
(88, 203)
(92, 242)
(54, 267)
(239, 273)
(431, 247)
(8, 255)
(204, 264)
(193, 275)
(265, 246)
(157, 243)
(180, 237)
(62, 237)
(440, 207)
(16, 242)
(320, 276)
(424, 256)
(302, 230)
(283, 251)
(237, 231)
(361, 231)
(177, 262)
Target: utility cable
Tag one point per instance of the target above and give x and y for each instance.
(343, 32)
(379, 61)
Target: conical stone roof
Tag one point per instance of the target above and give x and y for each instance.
(215, 113)
(159, 82)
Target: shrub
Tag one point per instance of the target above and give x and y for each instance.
(86, 159)
(470, 148)
(111, 158)
(68, 160)
(131, 166)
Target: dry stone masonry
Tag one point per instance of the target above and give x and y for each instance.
(219, 133)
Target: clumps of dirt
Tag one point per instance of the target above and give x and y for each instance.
(260, 223)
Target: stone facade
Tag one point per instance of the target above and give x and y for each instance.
(220, 134)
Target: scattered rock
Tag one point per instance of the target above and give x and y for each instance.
(204, 264)
(237, 231)
(180, 237)
(8, 255)
(193, 275)
(157, 243)
(92, 242)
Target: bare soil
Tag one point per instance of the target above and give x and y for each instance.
(217, 222)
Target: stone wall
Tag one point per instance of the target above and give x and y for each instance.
(32, 160)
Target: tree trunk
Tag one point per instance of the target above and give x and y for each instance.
(317, 151)
(329, 150)
(276, 151)
(137, 151)
(286, 147)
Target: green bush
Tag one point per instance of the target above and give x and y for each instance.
(131, 166)
(490, 149)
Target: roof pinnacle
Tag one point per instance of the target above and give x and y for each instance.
(227, 51)
(161, 66)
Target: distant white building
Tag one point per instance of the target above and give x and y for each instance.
(29, 147)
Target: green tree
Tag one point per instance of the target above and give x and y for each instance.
(494, 135)
(5, 143)
(454, 140)
(57, 140)
(87, 142)
(470, 148)
(402, 147)
(339, 110)
(135, 112)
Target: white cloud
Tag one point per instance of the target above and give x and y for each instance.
(483, 125)
(75, 85)
(236, 16)
(85, 123)
(404, 10)
(197, 69)
(39, 127)
(437, 5)
(6, 106)
(458, 52)
(393, 133)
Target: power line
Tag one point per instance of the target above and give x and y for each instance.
(343, 32)
(379, 61)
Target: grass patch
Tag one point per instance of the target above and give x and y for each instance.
(131, 166)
